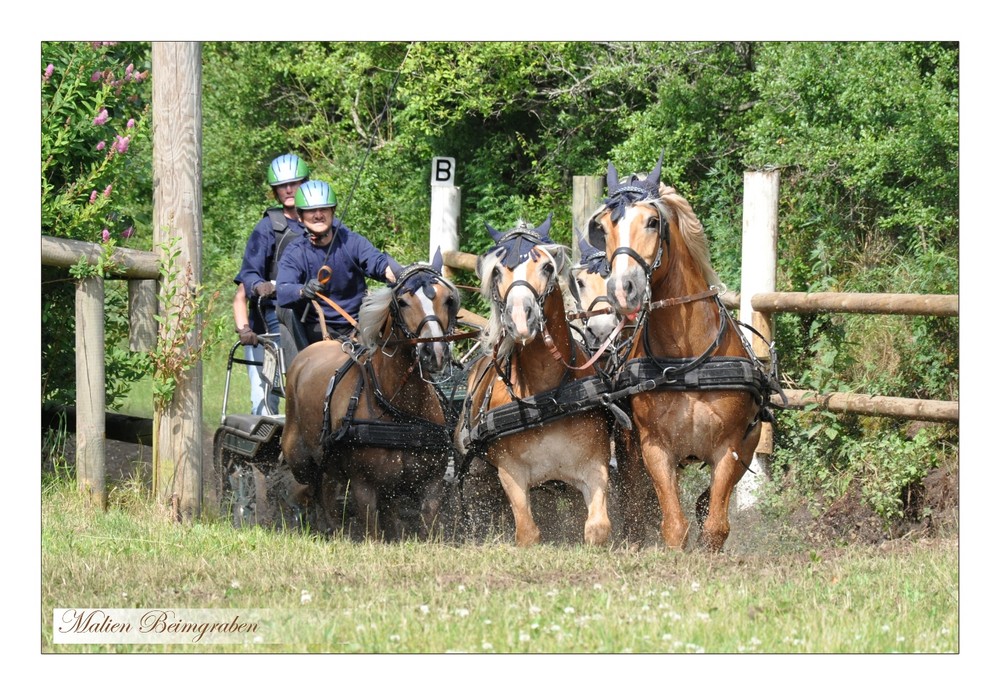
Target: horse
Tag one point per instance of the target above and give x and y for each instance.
(364, 413)
(531, 409)
(696, 389)
(588, 287)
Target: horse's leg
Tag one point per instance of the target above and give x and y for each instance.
(594, 486)
(365, 501)
(430, 507)
(663, 471)
(633, 486)
(526, 531)
(728, 469)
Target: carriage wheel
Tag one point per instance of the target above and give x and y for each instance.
(236, 486)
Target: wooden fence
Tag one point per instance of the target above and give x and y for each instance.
(141, 270)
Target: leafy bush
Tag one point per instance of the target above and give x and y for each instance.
(95, 162)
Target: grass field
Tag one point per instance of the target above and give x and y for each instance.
(339, 596)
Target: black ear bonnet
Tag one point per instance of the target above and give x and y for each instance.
(514, 247)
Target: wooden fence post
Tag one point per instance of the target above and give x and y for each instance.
(757, 274)
(141, 309)
(177, 452)
(588, 193)
(90, 390)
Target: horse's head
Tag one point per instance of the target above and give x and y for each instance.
(421, 304)
(589, 285)
(632, 227)
(518, 274)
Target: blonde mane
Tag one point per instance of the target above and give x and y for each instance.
(374, 315)
(691, 231)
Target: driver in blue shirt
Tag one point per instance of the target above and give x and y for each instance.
(327, 243)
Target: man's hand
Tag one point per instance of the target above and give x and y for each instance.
(310, 289)
(247, 336)
(264, 289)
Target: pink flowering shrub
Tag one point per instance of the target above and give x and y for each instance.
(92, 95)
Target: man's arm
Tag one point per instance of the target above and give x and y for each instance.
(253, 271)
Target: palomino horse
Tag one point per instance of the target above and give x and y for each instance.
(589, 287)
(697, 391)
(366, 414)
(531, 409)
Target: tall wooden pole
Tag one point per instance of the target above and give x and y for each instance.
(90, 391)
(588, 192)
(757, 274)
(177, 224)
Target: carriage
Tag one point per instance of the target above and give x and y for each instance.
(246, 449)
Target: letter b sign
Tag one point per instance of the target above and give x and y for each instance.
(443, 171)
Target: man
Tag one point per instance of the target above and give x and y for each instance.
(348, 257)
(259, 269)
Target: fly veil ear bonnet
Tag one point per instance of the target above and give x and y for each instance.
(621, 194)
(517, 245)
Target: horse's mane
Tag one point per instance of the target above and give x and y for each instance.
(494, 333)
(691, 230)
(373, 315)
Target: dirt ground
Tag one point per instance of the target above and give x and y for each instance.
(931, 509)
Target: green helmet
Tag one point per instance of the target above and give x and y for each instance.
(286, 169)
(315, 194)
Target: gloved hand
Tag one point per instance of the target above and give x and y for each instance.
(247, 336)
(264, 289)
(310, 289)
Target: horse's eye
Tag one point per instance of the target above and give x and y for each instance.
(548, 268)
(653, 222)
(579, 283)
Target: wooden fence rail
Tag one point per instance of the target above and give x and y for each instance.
(856, 303)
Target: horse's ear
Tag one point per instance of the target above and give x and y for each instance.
(437, 263)
(397, 269)
(497, 236)
(612, 178)
(543, 229)
(654, 175)
(595, 234)
(586, 249)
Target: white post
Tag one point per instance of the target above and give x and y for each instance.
(446, 205)
(757, 274)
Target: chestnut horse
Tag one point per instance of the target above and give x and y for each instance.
(589, 287)
(367, 415)
(696, 389)
(531, 410)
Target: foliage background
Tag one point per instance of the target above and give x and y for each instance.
(865, 136)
